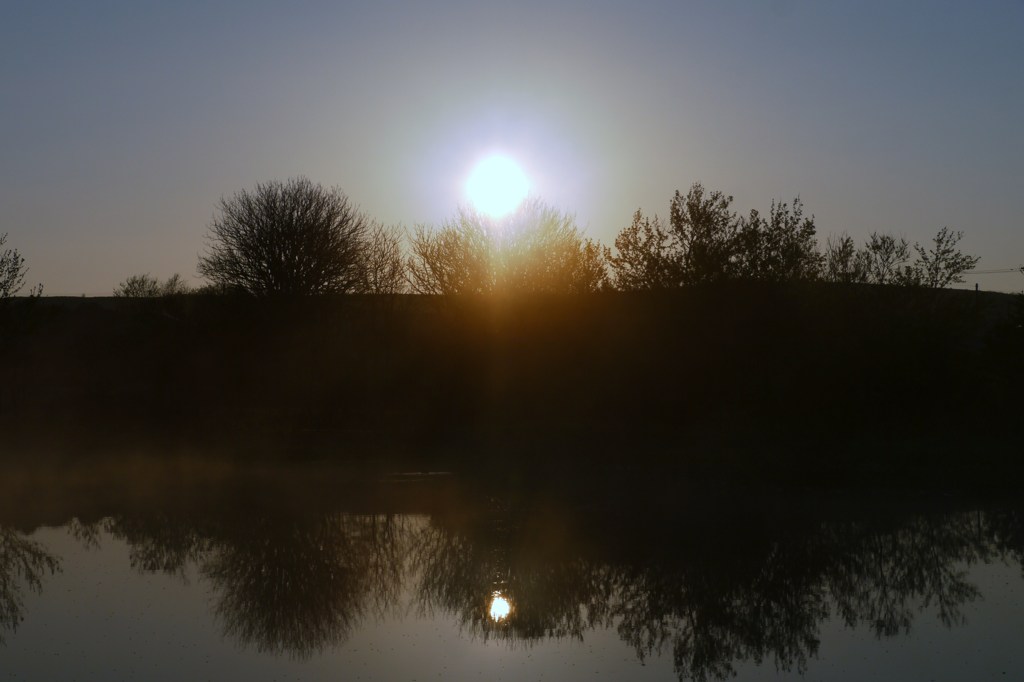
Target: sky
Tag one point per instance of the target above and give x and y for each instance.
(122, 124)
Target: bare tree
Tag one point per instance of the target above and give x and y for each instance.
(147, 286)
(292, 238)
(537, 249)
(455, 259)
(382, 265)
(541, 250)
(138, 286)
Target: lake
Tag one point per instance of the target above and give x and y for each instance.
(132, 571)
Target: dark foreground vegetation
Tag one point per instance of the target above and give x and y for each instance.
(795, 382)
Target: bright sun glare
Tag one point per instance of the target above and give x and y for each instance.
(497, 186)
(500, 608)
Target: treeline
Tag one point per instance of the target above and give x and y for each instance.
(299, 238)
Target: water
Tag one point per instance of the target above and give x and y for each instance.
(277, 577)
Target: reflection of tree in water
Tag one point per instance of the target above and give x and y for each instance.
(711, 591)
(881, 578)
(298, 587)
(22, 561)
(714, 597)
(1006, 528)
(291, 585)
(552, 593)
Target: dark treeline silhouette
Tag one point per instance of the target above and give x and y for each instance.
(706, 242)
(298, 238)
(690, 573)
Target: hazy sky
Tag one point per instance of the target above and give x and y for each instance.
(123, 123)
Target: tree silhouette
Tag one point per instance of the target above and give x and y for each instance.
(382, 264)
(147, 286)
(886, 260)
(646, 256)
(781, 248)
(942, 264)
(706, 231)
(455, 259)
(844, 263)
(12, 271)
(537, 249)
(706, 243)
(291, 238)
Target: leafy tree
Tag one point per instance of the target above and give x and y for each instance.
(844, 263)
(943, 264)
(292, 238)
(781, 248)
(646, 256)
(536, 249)
(706, 232)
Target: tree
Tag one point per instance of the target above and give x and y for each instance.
(537, 249)
(292, 238)
(943, 264)
(706, 231)
(886, 258)
(541, 250)
(844, 263)
(455, 259)
(780, 249)
(175, 285)
(382, 266)
(138, 286)
(12, 271)
(646, 256)
(147, 286)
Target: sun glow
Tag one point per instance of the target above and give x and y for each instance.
(497, 186)
(500, 608)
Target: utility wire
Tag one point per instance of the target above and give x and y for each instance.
(994, 271)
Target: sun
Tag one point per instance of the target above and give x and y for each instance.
(497, 186)
(500, 608)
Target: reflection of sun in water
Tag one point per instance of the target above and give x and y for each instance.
(500, 608)
(497, 186)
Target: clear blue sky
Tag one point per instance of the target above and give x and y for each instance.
(123, 123)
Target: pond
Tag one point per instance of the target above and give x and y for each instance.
(322, 575)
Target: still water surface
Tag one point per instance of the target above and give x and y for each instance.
(440, 580)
